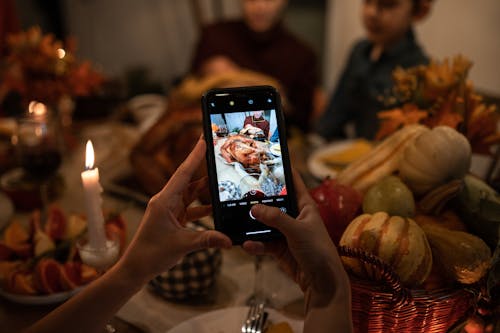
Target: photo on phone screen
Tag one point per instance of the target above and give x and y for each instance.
(248, 161)
(248, 155)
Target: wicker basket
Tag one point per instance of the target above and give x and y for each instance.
(390, 307)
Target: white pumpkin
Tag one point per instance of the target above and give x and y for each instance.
(434, 158)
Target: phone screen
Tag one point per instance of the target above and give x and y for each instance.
(247, 159)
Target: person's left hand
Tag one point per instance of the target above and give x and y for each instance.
(162, 238)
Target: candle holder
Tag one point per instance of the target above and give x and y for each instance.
(101, 258)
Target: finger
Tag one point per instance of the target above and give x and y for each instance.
(182, 176)
(198, 240)
(194, 189)
(195, 213)
(274, 217)
(303, 197)
(254, 248)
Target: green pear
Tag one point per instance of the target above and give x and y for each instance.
(389, 195)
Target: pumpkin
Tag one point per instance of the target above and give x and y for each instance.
(464, 257)
(381, 161)
(398, 241)
(434, 158)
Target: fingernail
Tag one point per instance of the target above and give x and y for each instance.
(256, 210)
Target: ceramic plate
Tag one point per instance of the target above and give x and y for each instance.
(229, 321)
(328, 160)
(40, 299)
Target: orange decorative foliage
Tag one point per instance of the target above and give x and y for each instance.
(396, 118)
(38, 67)
(439, 94)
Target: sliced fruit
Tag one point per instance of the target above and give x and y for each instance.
(24, 250)
(112, 230)
(15, 233)
(88, 274)
(21, 283)
(117, 220)
(5, 251)
(75, 227)
(74, 271)
(43, 243)
(68, 276)
(7, 268)
(55, 226)
(47, 276)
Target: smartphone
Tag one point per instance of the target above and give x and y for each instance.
(247, 158)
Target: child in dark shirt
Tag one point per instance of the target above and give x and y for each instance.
(389, 43)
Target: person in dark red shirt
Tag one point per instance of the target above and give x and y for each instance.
(260, 42)
(256, 119)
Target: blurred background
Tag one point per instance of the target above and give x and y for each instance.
(150, 43)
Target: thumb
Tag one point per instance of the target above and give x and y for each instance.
(208, 239)
(275, 218)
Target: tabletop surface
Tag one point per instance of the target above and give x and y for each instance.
(146, 311)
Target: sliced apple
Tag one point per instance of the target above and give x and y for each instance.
(47, 276)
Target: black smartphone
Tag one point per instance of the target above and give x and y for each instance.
(247, 158)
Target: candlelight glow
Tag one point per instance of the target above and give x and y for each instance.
(89, 155)
(61, 53)
(37, 109)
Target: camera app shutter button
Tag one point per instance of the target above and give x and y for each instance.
(251, 215)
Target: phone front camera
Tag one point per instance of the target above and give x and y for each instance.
(250, 101)
(231, 103)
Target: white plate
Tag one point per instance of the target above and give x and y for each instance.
(315, 163)
(40, 299)
(229, 321)
(6, 210)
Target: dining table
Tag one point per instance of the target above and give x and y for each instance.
(148, 311)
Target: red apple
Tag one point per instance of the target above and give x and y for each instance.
(338, 205)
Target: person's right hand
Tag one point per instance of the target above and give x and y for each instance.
(308, 254)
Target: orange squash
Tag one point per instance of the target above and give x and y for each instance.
(398, 241)
(447, 219)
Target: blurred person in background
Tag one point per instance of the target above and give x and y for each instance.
(260, 42)
(256, 50)
(367, 77)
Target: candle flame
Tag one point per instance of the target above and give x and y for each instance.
(89, 156)
(61, 53)
(37, 109)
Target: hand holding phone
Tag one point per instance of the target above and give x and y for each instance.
(247, 159)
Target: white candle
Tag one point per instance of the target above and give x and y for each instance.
(93, 200)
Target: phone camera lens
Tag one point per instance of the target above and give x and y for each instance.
(231, 103)
(250, 101)
(269, 100)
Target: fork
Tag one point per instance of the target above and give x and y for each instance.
(255, 320)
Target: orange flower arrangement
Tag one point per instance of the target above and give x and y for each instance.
(440, 94)
(39, 68)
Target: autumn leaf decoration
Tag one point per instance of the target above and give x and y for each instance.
(40, 67)
(440, 94)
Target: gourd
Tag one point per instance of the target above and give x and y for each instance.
(434, 158)
(398, 241)
(479, 206)
(464, 257)
(381, 161)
